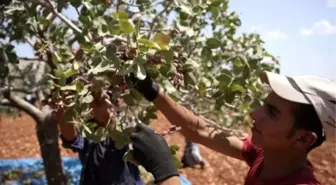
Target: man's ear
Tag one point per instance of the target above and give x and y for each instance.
(305, 139)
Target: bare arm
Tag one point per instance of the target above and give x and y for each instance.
(67, 130)
(195, 128)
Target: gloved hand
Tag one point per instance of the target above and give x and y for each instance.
(146, 87)
(153, 153)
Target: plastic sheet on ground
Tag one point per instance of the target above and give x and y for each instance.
(31, 171)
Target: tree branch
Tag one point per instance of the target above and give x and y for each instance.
(62, 17)
(23, 105)
(29, 59)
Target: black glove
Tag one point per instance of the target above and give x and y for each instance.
(146, 87)
(153, 153)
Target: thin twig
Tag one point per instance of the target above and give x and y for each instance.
(61, 16)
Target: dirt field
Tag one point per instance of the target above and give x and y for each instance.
(18, 140)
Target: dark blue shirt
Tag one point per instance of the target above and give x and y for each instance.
(102, 163)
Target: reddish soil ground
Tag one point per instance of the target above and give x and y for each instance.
(18, 140)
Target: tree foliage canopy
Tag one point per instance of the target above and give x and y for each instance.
(190, 47)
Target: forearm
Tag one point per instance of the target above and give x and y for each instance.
(197, 129)
(171, 181)
(193, 127)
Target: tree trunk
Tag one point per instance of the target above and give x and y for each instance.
(47, 134)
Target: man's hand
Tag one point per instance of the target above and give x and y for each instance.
(101, 108)
(153, 153)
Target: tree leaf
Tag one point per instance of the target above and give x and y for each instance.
(126, 26)
(114, 27)
(69, 87)
(76, 65)
(111, 51)
(224, 79)
(162, 40)
(189, 78)
(136, 95)
(206, 53)
(122, 14)
(76, 3)
(174, 149)
(128, 99)
(149, 43)
(139, 71)
(237, 88)
(79, 86)
(213, 43)
(177, 161)
(88, 99)
(87, 129)
(101, 67)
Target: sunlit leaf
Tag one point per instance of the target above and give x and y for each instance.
(126, 26)
(162, 40)
(149, 43)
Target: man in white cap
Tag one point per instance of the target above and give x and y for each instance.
(296, 117)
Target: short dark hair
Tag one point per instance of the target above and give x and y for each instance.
(306, 118)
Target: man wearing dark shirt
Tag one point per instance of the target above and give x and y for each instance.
(102, 162)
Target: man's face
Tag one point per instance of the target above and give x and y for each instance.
(273, 122)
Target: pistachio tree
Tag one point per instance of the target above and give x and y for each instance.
(192, 49)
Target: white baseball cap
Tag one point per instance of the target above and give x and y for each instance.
(319, 92)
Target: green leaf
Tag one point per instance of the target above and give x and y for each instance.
(87, 4)
(69, 87)
(166, 69)
(139, 71)
(70, 72)
(128, 99)
(79, 55)
(79, 86)
(213, 43)
(224, 79)
(167, 54)
(122, 14)
(128, 156)
(44, 21)
(76, 66)
(136, 95)
(177, 161)
(237, 88)
(206, 53)
(101, 67)
(149, 43)
(188, 67)
(186, 9)
(111, 51)
(118, 138)
(76, 3)
(174, 149)
(126, 26)
(88, 99)
(87, 129)
(114, 27)
(162, 40)
(190, 78)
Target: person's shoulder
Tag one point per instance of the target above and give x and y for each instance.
(305, 176)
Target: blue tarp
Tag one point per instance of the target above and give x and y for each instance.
(32, 166)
